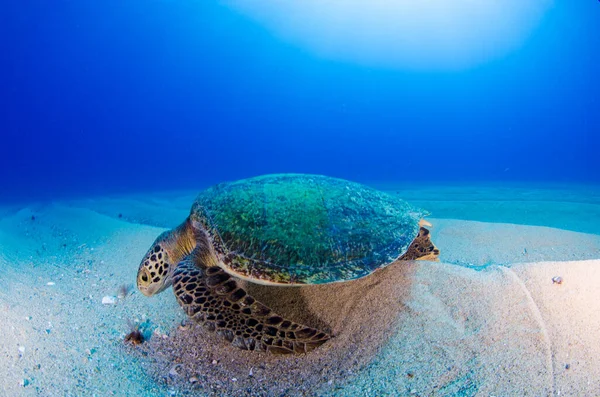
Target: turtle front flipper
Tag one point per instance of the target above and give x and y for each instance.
(212, 297)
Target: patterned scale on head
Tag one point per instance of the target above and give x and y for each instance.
(155, 267)
(154, 273)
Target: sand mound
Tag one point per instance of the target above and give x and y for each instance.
(502, 331)
(477, 244)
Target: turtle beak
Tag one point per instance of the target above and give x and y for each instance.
(152, 289)
(148, 291)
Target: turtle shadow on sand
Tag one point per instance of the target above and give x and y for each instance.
(291, 302)
(361, 315)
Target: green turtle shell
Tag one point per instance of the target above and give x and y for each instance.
(295, 228)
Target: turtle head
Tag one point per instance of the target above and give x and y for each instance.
(154, 273)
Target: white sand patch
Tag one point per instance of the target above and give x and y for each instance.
(472, 243)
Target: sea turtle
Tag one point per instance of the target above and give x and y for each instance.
(279, 230)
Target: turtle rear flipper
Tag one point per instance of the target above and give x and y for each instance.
(421, 249)
(212, 297)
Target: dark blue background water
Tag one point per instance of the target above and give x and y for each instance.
(114, 95)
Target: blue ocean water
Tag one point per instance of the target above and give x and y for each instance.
(103, 97)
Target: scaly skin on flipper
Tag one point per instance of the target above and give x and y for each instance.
(212, 297)
(421, 249)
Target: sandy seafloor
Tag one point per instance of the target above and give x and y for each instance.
(486, 320)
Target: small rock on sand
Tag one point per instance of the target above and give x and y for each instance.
(109, 300)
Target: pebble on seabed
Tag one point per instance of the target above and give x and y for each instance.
(174, 371)
(109, 300)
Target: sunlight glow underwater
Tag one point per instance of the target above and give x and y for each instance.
(404, 34)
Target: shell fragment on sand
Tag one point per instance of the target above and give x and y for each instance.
(109, 300)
